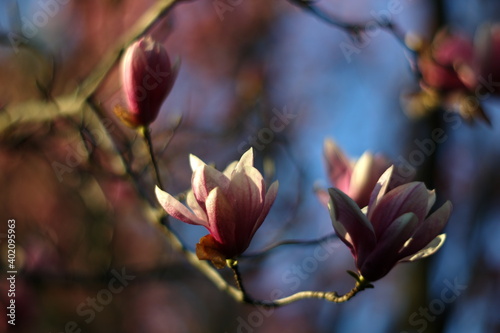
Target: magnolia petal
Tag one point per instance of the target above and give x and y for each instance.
(429, 250)
(431, 201)
(195, 207)
(272, 192)
(398, 232)
(322, 195)
(340, 230)
(246, 192)
(350, 224)
(428, 230)
(205, 178)
(176, 209)
(380, 189)
(222, 222)
(361, 170)
(132, 59)
(195, 162)
(338, 166)
(359, 187)
(411, 197)
(229, 169)
(246, 159)
(380, 165)
(385, 255)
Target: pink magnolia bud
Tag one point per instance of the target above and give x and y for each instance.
(147, 79)
(396, 228)
(231, 205)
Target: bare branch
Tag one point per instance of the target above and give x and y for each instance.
(73, 103)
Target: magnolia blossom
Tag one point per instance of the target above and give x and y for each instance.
(232, 205)
(147, 78)
(396, 227)
(448, 63)
(356, 179)
(455, 73)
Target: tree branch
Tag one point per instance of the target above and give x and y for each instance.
(73, 103)
(361, 284)
(289, 242)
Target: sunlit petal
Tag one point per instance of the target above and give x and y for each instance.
(176, 209)
(350, 224)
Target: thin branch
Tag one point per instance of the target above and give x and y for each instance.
(357, 28)
(147, 138)
(289, 242)
(117, 157)
(72, 103)
(332, 296)
(353, 28)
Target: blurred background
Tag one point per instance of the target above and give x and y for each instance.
(78, 184)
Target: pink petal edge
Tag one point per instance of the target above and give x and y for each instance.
(176, 209)
(271, 194)
(350, 223)
(379, 190)
(428, 250)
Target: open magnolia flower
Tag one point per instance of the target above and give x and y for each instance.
(396, 227)
(356, 179)
(232, 205)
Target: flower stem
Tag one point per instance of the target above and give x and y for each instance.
(147, 137)
(239, 281)
(332, 296)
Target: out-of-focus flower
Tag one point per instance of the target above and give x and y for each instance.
(449, 68)
(356, 179)
(448, 63)
(396, 227)
(147, 78)
(232, 205)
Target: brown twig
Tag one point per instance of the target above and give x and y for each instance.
(332, 296)
(145, 131)
(73, 103)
